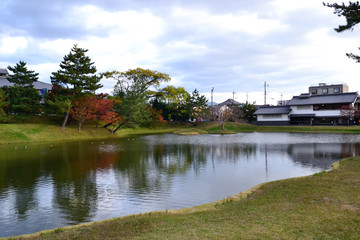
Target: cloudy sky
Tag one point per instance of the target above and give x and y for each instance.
(231, 45)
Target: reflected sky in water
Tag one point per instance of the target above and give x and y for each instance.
(47, 186)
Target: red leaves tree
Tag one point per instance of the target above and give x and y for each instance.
(84, 108)
(348, 112)
(111, 119)
(104, 106)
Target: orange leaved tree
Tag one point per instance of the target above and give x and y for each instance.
(84, 108)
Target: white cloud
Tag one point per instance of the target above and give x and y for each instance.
(236, 22)
(10, 45)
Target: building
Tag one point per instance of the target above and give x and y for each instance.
(308, 109)
(272, 116)
(229, 107)
(324, 88)
(321, 106)
(3, 73)
(42, 87)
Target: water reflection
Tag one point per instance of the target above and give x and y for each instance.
(44, 186)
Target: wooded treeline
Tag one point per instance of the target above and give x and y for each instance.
(137, 99)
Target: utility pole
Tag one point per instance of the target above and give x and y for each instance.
(264, 93)
(212, 96)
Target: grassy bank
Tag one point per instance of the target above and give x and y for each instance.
(45, 132)
(49, 131)
(322, 206)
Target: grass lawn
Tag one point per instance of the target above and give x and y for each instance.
(322, 206)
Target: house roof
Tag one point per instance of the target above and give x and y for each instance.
(37, 85)
(229, 102)
(3, 71)
(273, 110)
(323, 99)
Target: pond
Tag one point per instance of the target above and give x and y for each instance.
(45, 186)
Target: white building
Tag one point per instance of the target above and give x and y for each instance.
(308, 109)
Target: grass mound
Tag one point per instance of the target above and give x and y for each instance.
(191, 131)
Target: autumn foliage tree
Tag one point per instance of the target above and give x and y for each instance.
(104, 107)
(112, 120)
(348, 112)
(84, 108)
(131, 90)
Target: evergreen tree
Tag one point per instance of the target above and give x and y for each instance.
(197, 105)
(76, 77)
(248, 110)
(3, 104)
(21, 76)
(351, 12)
(23, 97)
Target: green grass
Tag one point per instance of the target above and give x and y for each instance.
(322, 206)
(190, 131)
(50, 131)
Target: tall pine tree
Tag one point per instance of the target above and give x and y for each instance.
(23, 97)
(75, 78)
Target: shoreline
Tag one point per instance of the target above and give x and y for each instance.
(43, 133)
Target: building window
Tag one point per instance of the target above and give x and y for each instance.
(336, 90)
(304, 107)
(314, 91)
(325, 90)
(327, 107)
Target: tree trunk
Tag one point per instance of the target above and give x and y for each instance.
(65, 119)
(79, 126)
(106, 125)
(196, 122)
(222, 125)
(120, 125)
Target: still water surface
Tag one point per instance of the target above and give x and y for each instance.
(47, 186)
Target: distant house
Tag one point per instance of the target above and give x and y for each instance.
(231, 106)
(278, 115)
(42, 87)
(3, 73)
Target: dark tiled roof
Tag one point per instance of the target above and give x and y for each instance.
(37, 84)
(324, 99)
(273, 110)
(3, 71)
(229, 102)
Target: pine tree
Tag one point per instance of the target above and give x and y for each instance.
(23, 97)
(77, 73)
(75, 78)
(21, 76)
(351, 12)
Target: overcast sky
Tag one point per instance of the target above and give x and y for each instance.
(231, 45)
